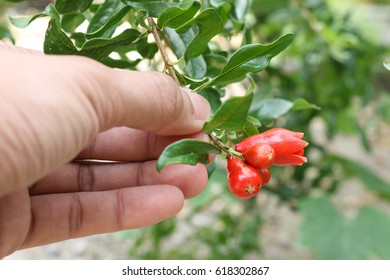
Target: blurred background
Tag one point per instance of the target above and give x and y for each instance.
(335, 207)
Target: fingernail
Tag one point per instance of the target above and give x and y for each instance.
(200, 105)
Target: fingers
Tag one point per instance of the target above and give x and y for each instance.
(58, 217)
(89, 177)
(14, 221)
(150, 101)
(125, 144)
(5, 45)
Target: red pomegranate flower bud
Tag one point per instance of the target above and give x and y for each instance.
(265, 174)
(244, 181)
(288, 145)
(234, 162)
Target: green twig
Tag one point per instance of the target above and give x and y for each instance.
(223, 147)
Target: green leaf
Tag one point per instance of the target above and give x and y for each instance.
(174, 17)
(147, 50)
(251, 126)
(271, 109)
(57, 42)
(101, 47)
(5, 33)
(185, 80)
(120, 63)
(232, 114)
(386, 63)
(303, 104)
(186, 151)
(209, 24)
(213, 96)
(107, 18)
(370, 179)
(71, 21)
(153, 7)
(362, 133)
(249, 59)
(195, 67)
(332, 236)
(215, 63)
(23, 22)
(69, 6)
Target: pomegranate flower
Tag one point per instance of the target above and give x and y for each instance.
(288, 145)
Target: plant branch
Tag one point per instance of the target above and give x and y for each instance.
(171, 71)
(161, 49)
(223, 147)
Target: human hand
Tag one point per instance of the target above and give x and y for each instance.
(57, 111)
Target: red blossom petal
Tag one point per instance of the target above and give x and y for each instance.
(286, 141)
(279, 130)
(290, 159)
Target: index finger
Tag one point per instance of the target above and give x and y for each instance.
(126, 144)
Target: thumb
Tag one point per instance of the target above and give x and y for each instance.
(149, 101)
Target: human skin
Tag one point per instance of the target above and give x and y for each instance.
(78, 148)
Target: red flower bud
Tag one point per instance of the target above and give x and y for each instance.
(260, 155)
(234, 162)
(288, 145)
(244, 180)
(265, 174)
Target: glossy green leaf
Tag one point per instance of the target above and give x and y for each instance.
(186, 151)
(120, 63)
(232, 114)
(250, 59)
(185, 80)
(215, 64)
(57, 42)
(195, 68)
(213, 96)
(107, 18)
(271, 109)
(251, 126)
(69, 6)
(23, 22)
(101, 47)
(71, 21)
(174, 17)
(153, 7)
(209, 24)
(386, 63)
(303, 104)
(332, 236)
(147, 50)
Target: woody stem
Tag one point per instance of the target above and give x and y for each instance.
(164, 55)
